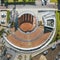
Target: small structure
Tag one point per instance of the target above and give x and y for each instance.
(3, 19)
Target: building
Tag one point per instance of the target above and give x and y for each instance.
(3, 18)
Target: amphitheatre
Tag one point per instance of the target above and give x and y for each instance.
(30, 34)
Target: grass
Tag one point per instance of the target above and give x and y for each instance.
(58, 20)
(57, 34)
(58, 24)
(8, 15)
(54, 1)
(12, 1)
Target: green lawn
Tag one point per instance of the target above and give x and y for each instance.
(55, 1)
(8, 15)
(57, 34)
(58, 20)
(58, 24)
(12, 1)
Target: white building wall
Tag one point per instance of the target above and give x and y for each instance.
(45, 14)
(31, 11)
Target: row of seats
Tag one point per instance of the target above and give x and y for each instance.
(29, 44)
(25, 18)
(30, 36)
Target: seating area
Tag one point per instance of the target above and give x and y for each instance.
(28, 40)
(31, 36)
(27, 20)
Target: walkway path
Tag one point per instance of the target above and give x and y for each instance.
(47, 47)
(27, 56)
(49, 6)
(37, 5)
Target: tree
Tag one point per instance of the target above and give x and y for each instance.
(39, 23)
(19, 57)
(1, 32)
(6, 3)
(30, 57)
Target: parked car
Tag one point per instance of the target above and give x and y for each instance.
(45, 52)
(53, 47)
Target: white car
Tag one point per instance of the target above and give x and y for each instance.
(45, 52)
(43, 2)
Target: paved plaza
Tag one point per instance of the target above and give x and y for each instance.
(29, 30)
(38, 4)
